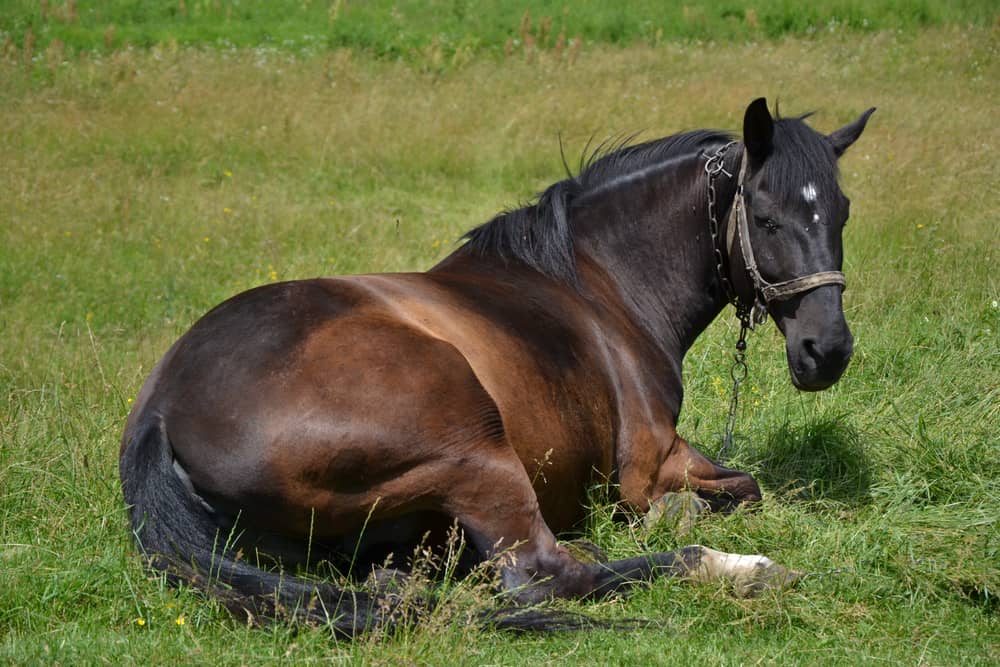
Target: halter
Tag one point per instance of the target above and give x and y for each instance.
(764, 292)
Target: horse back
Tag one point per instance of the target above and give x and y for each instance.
(331, 377)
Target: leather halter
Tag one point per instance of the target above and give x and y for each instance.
(765, 292)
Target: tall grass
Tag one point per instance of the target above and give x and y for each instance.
(138, 189)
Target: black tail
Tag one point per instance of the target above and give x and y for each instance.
(180, 537)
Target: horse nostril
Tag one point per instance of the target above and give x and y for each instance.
(835, 354)
(812, 349)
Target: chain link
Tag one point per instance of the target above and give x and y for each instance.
(714, 165)
(738, 373)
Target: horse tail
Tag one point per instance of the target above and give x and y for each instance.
(179, 535)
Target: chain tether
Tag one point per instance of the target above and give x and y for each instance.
(714, 165)
(738, 373)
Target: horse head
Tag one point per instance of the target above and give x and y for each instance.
(786, 247)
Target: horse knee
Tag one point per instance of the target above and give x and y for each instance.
(723, 488)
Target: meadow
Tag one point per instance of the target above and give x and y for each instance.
(145, 179)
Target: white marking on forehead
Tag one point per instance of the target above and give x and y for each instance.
(815, 217)
(809, 193)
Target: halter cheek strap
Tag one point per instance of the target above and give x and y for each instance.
(765, 292)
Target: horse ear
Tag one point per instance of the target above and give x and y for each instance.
(758, 129)
(847, 135)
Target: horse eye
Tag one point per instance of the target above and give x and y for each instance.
(769, 224)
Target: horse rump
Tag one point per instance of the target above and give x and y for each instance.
(179, 535)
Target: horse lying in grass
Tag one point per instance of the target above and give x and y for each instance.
(348, 417)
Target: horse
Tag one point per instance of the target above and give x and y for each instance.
(352, 416)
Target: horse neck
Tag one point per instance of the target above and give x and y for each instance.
(649, 241)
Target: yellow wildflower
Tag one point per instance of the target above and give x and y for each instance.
(180, 620)
(140, 621)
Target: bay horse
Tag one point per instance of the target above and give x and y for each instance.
(353, 415)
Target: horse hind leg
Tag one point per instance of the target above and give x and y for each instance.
(480, 481)
(500, 514)
(747, 574)
(494, 502)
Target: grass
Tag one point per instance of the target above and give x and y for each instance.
(439, 32)
(140, 188)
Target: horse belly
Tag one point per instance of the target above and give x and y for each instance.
(540, 366)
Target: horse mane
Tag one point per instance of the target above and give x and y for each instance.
(539, 234)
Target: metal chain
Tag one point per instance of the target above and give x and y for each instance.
(714, 165)
(738, 373)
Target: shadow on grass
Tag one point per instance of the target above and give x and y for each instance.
(821, 459)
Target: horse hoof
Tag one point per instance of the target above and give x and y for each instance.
(765, 577)
(749, 575)
(677, 510)
(585, 551)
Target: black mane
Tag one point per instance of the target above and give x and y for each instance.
(539, 234)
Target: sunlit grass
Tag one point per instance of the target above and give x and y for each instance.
(138, 189)
(440, 34)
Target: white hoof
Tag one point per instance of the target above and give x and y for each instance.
(749, 574)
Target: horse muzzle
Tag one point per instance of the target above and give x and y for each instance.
(818, 342)
(817, 362)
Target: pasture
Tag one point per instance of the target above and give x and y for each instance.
(140, 187)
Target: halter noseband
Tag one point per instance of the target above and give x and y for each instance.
(737, 226)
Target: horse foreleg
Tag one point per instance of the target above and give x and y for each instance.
(658, 461)
(499, 512)
(686, 468)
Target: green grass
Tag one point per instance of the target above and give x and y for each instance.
(438, 31)
(140, 188)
